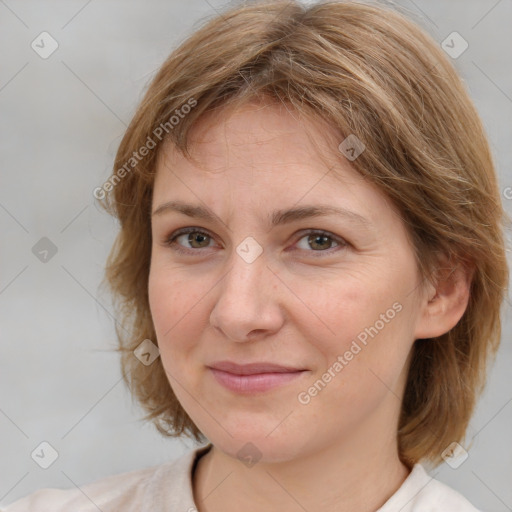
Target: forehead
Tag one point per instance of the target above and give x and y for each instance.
(261, 138)
(244, 131)
(263, 156)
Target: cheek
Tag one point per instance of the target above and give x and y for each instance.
(361, 365)
(175, 304)
(361, 321)
(339, 310)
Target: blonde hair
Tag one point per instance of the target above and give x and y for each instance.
(370, 71)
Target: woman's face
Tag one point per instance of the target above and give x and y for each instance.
(334, 296)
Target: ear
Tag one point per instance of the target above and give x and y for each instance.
(445, 299)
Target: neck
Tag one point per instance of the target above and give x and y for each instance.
(342, 477)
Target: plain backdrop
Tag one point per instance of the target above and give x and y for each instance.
(62, 119)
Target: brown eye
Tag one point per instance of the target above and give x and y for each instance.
(192, 239)
(196, 237)
(320, 241)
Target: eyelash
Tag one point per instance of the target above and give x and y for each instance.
(170, 240)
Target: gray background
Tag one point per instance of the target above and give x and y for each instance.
(61, 121)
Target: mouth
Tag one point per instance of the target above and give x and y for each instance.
(254, 377)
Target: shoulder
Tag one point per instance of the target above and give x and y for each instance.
(144, 489)
(439, 496)
(422, 493)
(116, 490)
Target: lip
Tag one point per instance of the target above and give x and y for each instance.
(253, 368)
(254, 377)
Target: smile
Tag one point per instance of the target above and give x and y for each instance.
(254, 381)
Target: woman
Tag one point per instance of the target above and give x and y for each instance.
(310, 265)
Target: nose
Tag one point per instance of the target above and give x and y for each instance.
(248, 304)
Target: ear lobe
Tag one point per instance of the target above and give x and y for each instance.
(446, 299)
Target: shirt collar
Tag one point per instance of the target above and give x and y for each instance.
(171, 488)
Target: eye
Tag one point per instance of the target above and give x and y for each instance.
(317, 240)
(196, 237)
(321, 241)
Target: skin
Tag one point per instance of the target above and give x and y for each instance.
(298, 304)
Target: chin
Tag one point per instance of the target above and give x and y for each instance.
(259, 443)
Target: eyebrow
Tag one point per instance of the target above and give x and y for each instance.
(278, 217)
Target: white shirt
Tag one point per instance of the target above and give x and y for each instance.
(168, 488)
